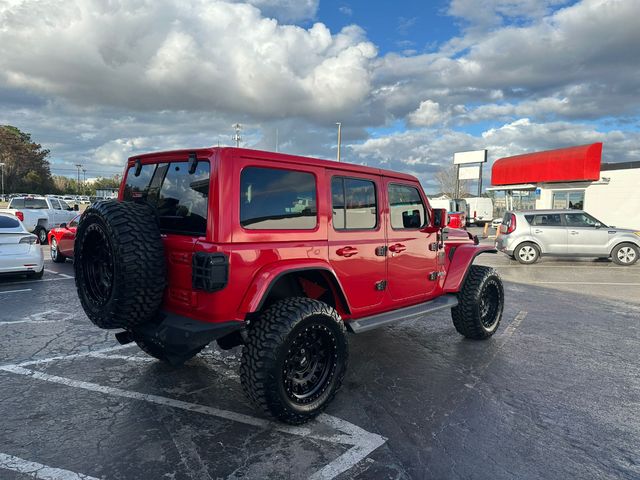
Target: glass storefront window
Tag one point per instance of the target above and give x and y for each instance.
(569, 199)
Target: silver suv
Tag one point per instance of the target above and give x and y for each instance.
(529, 234)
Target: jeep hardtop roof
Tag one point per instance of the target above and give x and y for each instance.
(226, 152)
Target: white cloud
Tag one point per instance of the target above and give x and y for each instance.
(196, 55)
(428, 114)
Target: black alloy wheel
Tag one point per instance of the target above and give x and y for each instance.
(98, 268)
(310, 364)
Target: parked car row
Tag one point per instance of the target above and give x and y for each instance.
(41, 214)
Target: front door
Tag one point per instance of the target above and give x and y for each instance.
(585, 235)
(410, 261)
(356, 238)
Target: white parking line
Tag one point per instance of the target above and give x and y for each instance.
(63, 275)
(514, 324)
(33, 282)
(17, 291)
(38, 470)
(40, 317)
(362, 442)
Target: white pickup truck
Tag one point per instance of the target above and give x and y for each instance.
(41, 214)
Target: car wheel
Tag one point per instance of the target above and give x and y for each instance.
(56, 256)
(480, 304)
(625, 254)
(36, 275)
(41, 233)
(119, 264)
(527, 253)
(294, 359)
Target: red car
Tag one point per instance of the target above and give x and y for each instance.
(61, 240)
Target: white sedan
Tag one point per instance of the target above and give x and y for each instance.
(20, 251)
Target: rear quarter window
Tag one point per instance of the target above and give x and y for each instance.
(275, 199)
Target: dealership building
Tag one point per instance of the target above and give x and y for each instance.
(574, 178)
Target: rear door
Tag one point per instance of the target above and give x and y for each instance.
(356, 238)
(584, 238)
(549, 231)
(410, 262)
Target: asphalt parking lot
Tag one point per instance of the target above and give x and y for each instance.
(554, 394)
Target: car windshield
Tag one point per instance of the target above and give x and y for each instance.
(7, 222)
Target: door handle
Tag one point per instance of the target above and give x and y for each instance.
(397, 248)
(537, 231)
(573, 232)
(347, 251)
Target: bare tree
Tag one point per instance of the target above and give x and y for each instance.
(446, 178)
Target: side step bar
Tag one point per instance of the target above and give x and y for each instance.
(416, 311)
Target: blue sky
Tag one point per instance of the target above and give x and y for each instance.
(412, 82)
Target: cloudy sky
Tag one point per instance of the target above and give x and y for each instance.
(412, 82)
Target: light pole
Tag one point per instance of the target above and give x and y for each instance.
(78, 166)
(84, 181)
(339, 124)
(237, 127)
(2, 167)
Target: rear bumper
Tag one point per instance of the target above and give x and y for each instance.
(180, 336)
(32, 262)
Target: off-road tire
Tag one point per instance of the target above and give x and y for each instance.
(473, 317)
(620, 258)
(41, 233)
(267, 355)
(532, 256)
(119, 264)
(56, 257)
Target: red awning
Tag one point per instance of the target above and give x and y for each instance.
(573, 164)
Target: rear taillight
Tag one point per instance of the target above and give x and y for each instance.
(512, 224)
(20, 216)
(31, 240)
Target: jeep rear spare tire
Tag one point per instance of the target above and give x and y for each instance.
(294, 359)
(480, 303)
(119, 264)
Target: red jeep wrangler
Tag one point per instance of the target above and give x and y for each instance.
(278, 253)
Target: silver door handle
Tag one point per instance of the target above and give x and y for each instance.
(573, 232)
(537, 231)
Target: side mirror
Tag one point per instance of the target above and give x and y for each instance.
(63, 225)
(598, 225)
(75, 207)
(439, 217)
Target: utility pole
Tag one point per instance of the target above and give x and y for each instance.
(339, 124)
(84, 180)
(2, 166)
(237, 127)
(276, 139)
(78, 166)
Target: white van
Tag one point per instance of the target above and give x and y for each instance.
(479, 210)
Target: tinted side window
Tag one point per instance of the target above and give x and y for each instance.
(274, 199)
(354, 204)
(580, 220)
(65, 205)
(406, 207)
(54, 203)
(547, 220)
